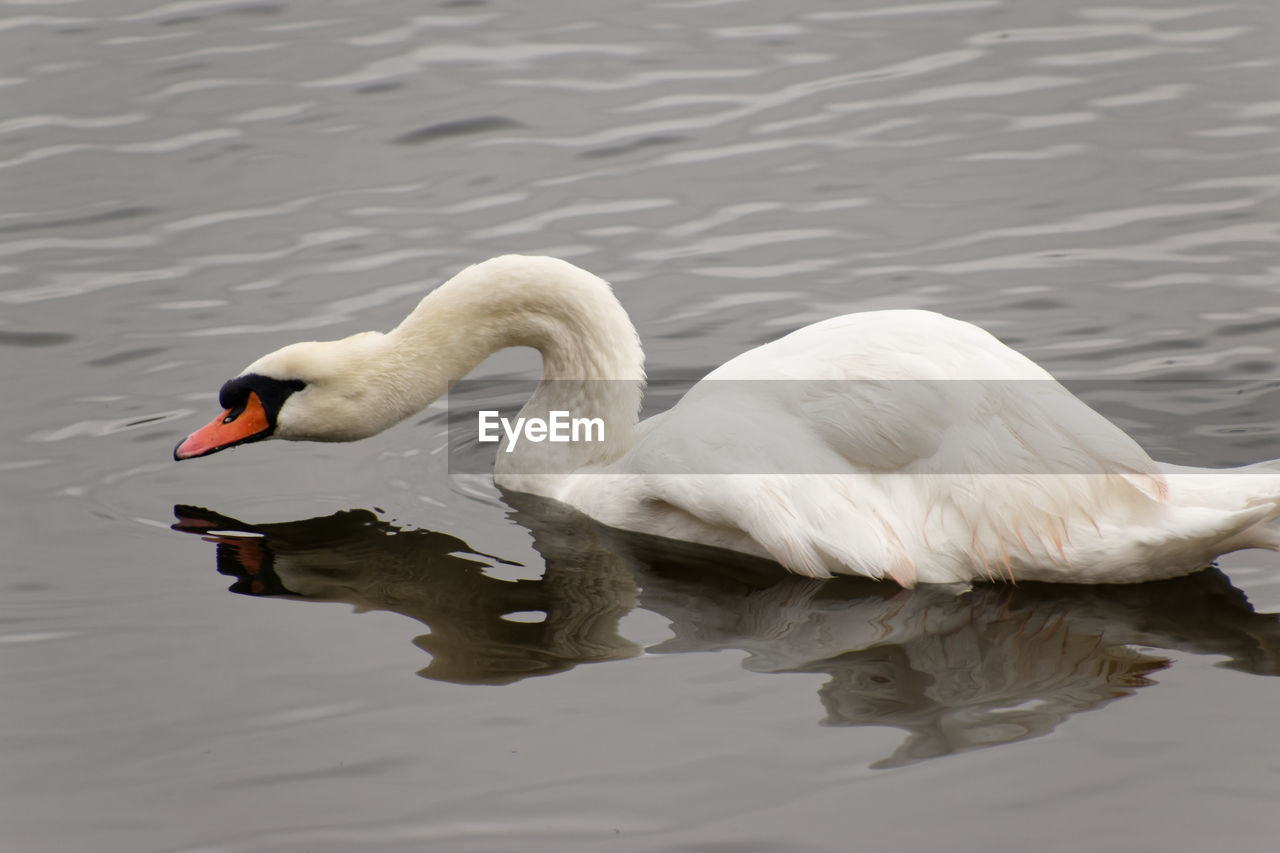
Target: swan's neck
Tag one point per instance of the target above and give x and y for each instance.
(593, 366)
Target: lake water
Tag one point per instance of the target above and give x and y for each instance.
(412, 663)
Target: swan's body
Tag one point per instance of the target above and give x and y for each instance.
(899, 444)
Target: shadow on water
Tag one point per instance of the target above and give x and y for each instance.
(956, 671)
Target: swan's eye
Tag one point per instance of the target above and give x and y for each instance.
(233, 413)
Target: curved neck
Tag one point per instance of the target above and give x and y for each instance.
(592, 363)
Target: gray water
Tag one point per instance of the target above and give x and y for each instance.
(186, 185)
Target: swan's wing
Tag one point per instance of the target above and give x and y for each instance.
(972, 427)
(850, 444)
(919, 392)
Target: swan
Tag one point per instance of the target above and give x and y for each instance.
(899, 444)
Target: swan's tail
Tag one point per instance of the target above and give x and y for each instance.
(1238, 504)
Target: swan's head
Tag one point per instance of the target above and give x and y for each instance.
(312, 391)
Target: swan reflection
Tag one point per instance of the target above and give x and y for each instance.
(956, 671)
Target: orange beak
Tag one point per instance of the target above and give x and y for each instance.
(228, 429)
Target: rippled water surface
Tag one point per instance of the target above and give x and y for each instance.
(186, 185)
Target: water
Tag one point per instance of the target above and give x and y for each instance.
(187, 185)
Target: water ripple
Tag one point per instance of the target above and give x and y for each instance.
(165, 145)
(540, 221)
(459, 127)
(23, 21)
(505, 55)
(79, 122)
(907, 9)
(97, 428)
(79, 221)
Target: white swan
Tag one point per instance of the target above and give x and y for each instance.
(981, 467)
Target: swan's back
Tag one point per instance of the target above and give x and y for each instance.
(883, 345)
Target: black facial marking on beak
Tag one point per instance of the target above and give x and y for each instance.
(271, 392)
